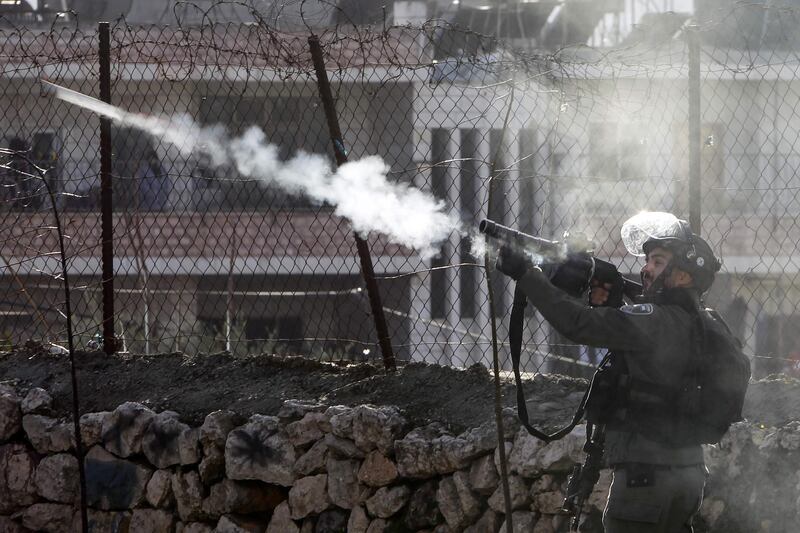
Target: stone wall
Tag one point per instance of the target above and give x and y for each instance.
(316, 468)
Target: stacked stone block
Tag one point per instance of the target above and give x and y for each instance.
(310, 468)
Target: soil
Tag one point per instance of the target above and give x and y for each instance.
(773, 401)
(196, 386)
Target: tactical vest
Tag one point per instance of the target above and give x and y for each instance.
(699, 411)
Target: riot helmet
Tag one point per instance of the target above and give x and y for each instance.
(690, 252)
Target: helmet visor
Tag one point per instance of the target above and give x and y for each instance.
(649, 225)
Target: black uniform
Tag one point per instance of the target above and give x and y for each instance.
(657, 487)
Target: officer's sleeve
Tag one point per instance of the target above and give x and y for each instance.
(633, 328)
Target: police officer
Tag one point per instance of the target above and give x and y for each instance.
(658, 474)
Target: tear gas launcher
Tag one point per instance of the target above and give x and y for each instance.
(575, 247)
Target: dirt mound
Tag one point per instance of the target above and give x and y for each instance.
(195, 386)
(773, 401)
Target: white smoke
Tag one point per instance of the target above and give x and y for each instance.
(358, 190)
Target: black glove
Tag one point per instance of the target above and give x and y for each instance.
(608, 279)
(512, 262)
(571, 276)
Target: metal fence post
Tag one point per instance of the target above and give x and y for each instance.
(695, 141)
(367, 270)
(107, 227)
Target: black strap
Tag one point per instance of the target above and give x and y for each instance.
(515, 328)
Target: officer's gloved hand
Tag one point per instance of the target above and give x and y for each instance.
(599, 293)
(607, 285)
(572, 276)
(512, 262)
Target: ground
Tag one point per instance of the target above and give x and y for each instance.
(195, 386)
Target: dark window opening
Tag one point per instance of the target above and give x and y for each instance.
(468, 196)
(468, 285)
(498, 208)
(527, 182)
(212, 331)
(439, 141)
(141, 179)
(439, 286)
(292, 123)
(282, 335)
(440, 188)
(36, 156)
(469, 174)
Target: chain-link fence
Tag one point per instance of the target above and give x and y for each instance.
(696, 116)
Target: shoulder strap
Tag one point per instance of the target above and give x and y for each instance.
(515, 340)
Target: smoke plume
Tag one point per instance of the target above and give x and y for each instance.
(358, 190)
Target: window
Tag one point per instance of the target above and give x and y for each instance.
(212, 331)
(468, 286)
(283, 334)
(499, 209)
(439, 285)
(469, 180)
(468, 174)
(293, 123)
(616, 152)
(274, 334)
(13, 325)
(439, 154)
(528, 184)
(141, 180)
(20, 184)
(439, 187)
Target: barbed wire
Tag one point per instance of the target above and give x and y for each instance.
(594, 135)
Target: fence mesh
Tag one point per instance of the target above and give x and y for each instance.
(207, 259)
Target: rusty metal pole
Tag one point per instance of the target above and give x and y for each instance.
(107, 226)
(695, 125)
(367, 270)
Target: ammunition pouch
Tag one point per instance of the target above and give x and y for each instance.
(672, 416)
(607, 397)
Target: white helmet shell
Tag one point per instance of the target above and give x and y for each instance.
(649, 225)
